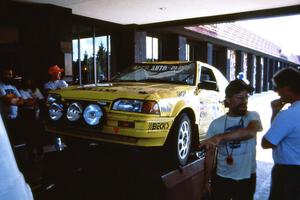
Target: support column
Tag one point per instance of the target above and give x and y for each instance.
(258, 84)
(182, 48)
(266, 74)
(284, 65)
(173, 47)
(140, 46)
(239, 62)
(221, 61)
(281, 65)
(123, 47)
(276, 66)
(250, 69)
(205, 53)
(271, 74)
(128, 46)
(210, 49)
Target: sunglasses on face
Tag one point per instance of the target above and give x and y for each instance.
(241, 97)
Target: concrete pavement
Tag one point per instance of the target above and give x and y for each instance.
(261, 104)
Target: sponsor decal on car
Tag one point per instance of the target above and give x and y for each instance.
(165, 106)
(159, 125)
(181, 93)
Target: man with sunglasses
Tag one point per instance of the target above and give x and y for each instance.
(284, 136)
(234, 135)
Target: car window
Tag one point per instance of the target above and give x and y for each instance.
(207, 75)
(222, 82)
(170, 73)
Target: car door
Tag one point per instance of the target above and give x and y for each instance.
(210, 99)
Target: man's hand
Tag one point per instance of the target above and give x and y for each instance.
(277, 105)
(16, 101)
(265, 144)
(11, 95)
(210, 143)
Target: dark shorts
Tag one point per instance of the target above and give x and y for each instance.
(226, 188)
(285, 183)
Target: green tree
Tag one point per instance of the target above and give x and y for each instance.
(101, 60)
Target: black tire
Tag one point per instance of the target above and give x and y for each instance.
(181, 136)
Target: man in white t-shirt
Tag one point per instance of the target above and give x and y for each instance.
(11, 101)
(234, 135)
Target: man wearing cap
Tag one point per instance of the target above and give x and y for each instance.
(284, 136)
(55, 79)
(234, 135)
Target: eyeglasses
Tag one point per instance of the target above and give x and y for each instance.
(241, 97)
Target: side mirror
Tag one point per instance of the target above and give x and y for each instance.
(208, 85)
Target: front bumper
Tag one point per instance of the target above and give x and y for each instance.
(144, 133)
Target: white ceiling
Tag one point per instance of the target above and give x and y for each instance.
(145, 11)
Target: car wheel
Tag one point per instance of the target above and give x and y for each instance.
(181, 139)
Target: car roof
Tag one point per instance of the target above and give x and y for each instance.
(178, 62)
(167, 62)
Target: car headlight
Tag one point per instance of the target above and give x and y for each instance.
(55, 111)
(52, 98)
(74, 111)
(92, 114)
(139, 106)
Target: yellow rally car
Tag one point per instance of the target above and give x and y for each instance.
(167, 104)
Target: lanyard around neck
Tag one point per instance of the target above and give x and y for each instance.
(241, 123)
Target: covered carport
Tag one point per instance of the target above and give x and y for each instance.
(33, 40)
(37, 34)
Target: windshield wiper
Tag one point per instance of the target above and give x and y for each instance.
(125, 81)
(163, 81)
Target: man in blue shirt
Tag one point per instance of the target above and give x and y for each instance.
(235, 136)
(284, 136)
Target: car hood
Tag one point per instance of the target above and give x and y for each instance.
(132, 90)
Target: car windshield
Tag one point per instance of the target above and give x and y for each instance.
(170, 73)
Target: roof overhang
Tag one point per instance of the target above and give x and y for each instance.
(142, 12)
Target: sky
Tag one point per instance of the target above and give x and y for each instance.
(282, 31)
(86, 45)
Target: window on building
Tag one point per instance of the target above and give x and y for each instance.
(91, 59)
(151, 49)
